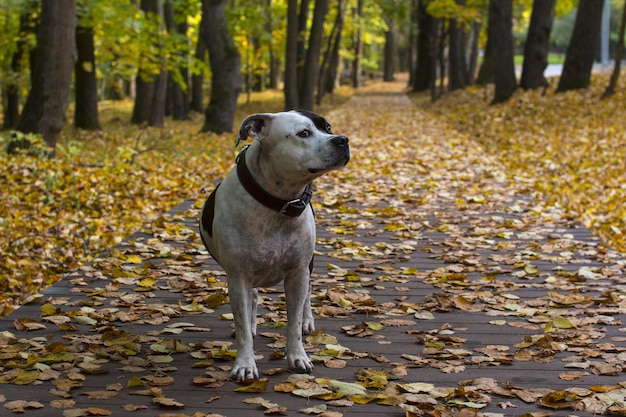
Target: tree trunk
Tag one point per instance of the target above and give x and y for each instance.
(11, 88)
(151, 88)
(434, 39)
(583, 46)
(312, 64)
(501, 23)
(390, 51)
(333, 66)
(291, 57)
(485, 72)
(537, 43)
(358, 46)
(441, 51)
(48, 98)
(144, 90)
(197, 80)
(473, 59)
(274, 63)
(412, 41)
(328, 70)
(176, 99)
(619, 55)
(85, 81)
(425, 52)
(456, 57)
(157, 103)
(303, 18)
(176, 103)
(225, 66)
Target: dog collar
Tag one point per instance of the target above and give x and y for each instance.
(291, 208)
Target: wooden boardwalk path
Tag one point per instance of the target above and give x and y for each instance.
(437, 284)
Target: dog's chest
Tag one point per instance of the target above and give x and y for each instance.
(275, 256)
(280, 238)
(264, 246)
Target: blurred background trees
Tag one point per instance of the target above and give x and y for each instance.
(171, 57)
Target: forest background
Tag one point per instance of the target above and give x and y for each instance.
(114, 111)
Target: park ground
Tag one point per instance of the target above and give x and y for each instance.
(455, 275)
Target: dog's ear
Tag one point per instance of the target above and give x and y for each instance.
(255, 126)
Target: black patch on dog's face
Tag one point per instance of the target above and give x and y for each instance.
(319, 122)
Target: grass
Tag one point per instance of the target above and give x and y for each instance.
(553, 58)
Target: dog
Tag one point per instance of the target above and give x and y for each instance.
(258, 224)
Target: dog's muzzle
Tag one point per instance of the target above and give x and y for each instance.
(339, 156)
(341, 143)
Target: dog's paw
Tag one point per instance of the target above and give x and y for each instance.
(308, 325)
(244, 370)
(300, 364)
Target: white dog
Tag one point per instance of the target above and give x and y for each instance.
(259, 226)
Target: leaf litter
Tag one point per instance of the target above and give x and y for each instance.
(493, 252)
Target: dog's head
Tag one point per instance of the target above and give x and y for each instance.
(301, 139)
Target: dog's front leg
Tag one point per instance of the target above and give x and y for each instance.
(308, 323)
(297, 291)
(243, 304)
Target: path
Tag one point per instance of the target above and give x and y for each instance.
(436, 284)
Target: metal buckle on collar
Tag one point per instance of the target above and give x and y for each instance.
(292, 203)
(241, 153)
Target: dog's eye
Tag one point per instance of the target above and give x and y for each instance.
(328, 129)
(304, 133)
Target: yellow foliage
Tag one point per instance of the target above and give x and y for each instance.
(58, 214)
(569, 147)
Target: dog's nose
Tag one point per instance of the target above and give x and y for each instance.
(341, 141)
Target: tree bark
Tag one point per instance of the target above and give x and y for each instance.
(358, 46)
(157, 103)
(333, 65)
(303, 18)
(177, 104)
(537, 43)
(583, 46)
(48, 98)
(274, 63)
(485, 72)
(457, 78)
(425, 50)
(291, 57)
(225, 66)
(619, 55)
(144, 89)
(412, 41)
(151, 88)
(197, 80)
(441, 51)
(11, 111)
(328, 69)
(434, 40)
(501, 23)
(312, 65)
(85, 81)
(390, 51)
(473, 60)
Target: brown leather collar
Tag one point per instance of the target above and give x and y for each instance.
(291, 208)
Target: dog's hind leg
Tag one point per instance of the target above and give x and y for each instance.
(308, 323)
(253, 310)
